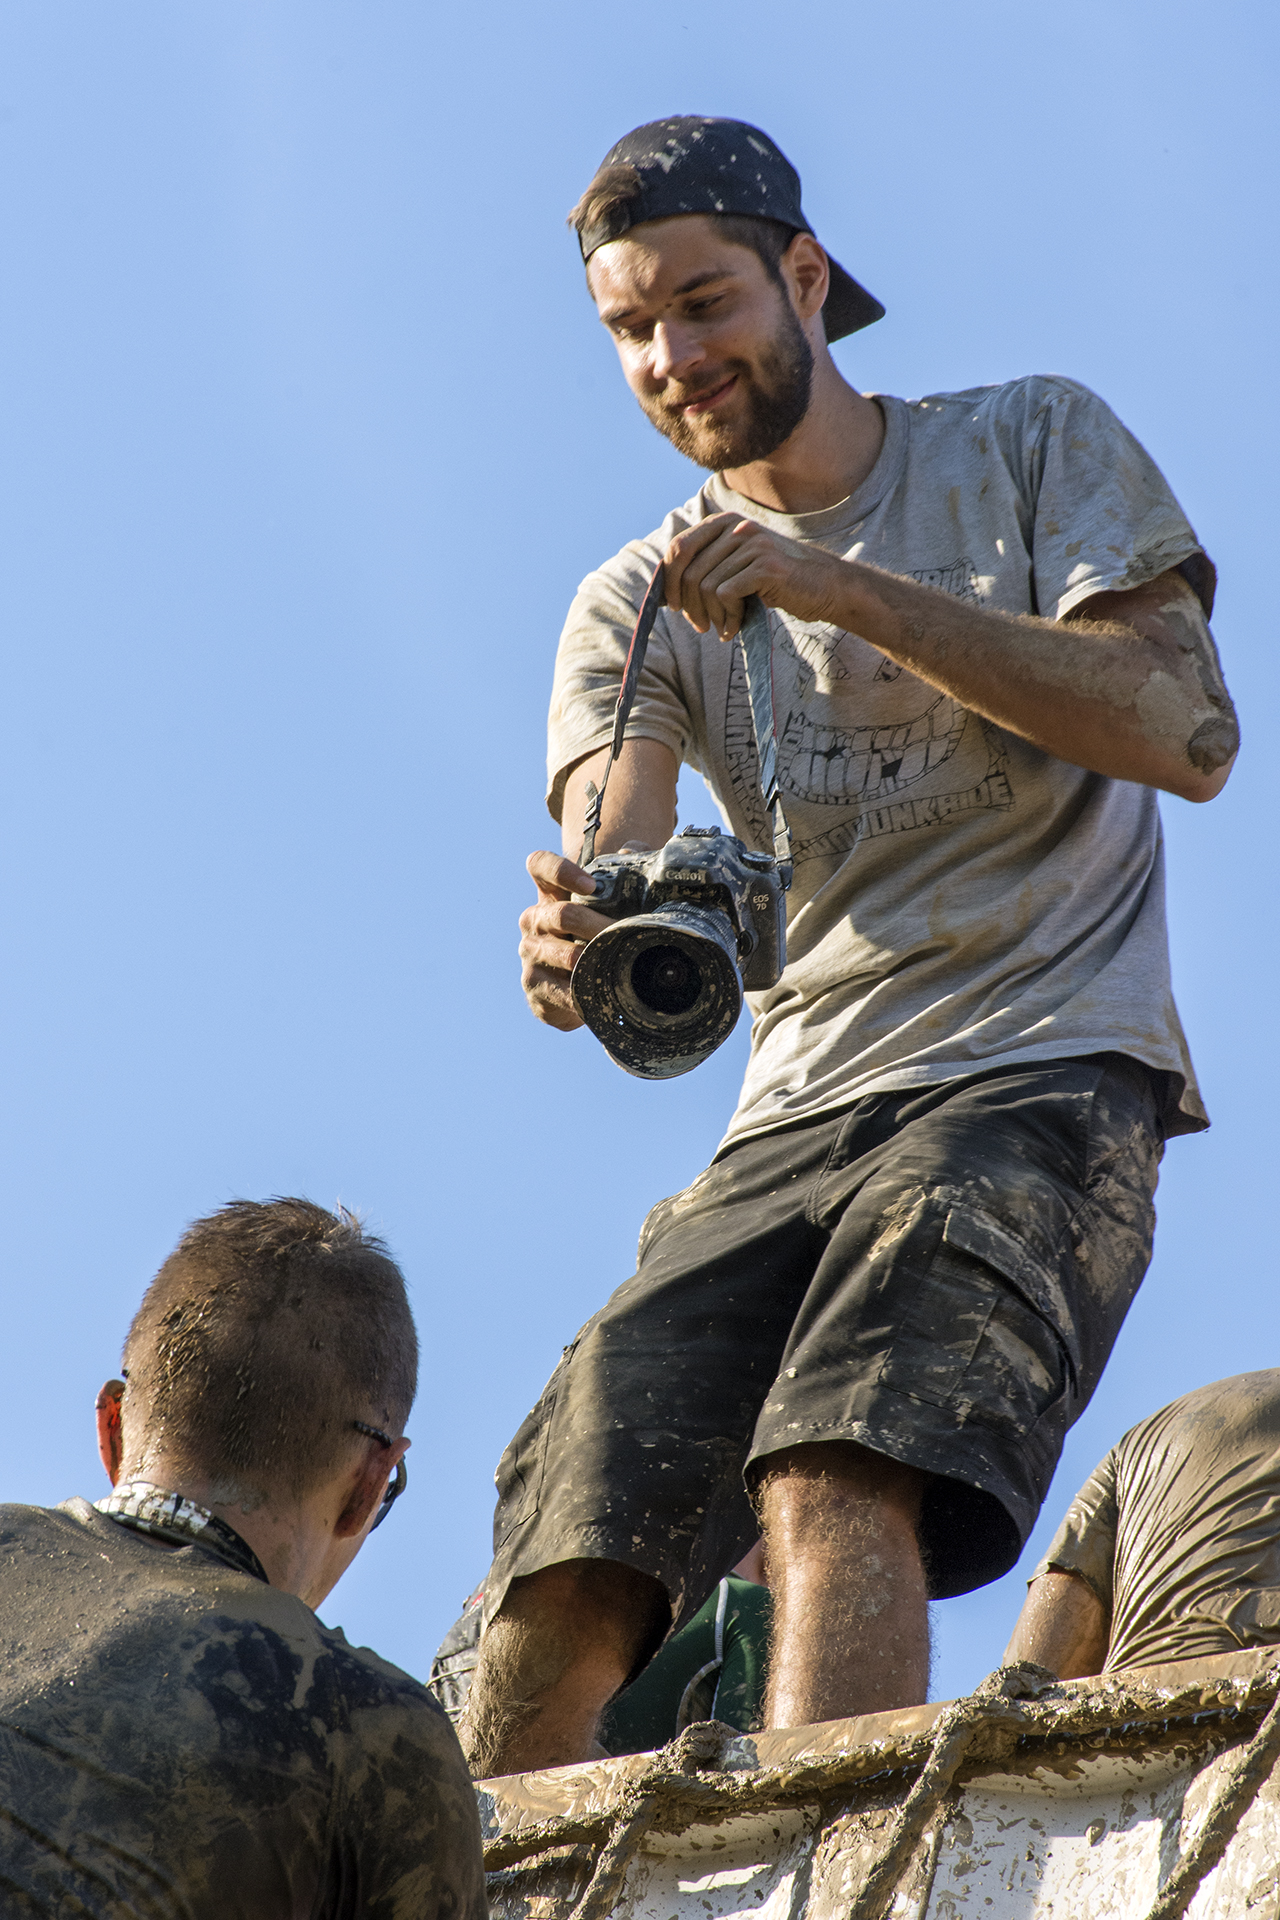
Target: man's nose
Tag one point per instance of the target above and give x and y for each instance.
(676, 349)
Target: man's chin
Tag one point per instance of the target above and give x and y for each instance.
(706, 444)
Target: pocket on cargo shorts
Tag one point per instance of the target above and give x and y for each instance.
(971, 1340)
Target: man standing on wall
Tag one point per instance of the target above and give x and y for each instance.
(877, 1313)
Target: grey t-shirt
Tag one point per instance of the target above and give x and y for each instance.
(962, 899)
(180, 1740)
(1178, 1530)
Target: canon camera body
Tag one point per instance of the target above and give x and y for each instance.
(695, 924)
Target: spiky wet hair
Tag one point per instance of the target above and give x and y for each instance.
(269, 1329)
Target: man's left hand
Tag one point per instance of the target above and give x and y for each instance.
(713, 567)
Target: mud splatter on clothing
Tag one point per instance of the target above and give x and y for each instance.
(937, 1275)
(182, 1741)
(962, 899)
(1178, 1530)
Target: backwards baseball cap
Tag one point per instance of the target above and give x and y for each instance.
(696, 164)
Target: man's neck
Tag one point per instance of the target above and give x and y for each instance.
(169, 1515)
(289, 1538)
(828, 456)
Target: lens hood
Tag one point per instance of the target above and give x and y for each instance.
(661, 991)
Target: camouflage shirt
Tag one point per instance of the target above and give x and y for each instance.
(178, 1738)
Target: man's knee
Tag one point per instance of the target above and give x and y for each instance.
(562, 1643)
(820, 1479)
(579, 1606)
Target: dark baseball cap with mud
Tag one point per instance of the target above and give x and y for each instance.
(697, 164)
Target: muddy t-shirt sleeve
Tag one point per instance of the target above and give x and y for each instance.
(593, 648)
(411, 1827)
(1085, 1543)
(1104, 517)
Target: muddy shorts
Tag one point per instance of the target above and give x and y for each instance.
(939, 1275)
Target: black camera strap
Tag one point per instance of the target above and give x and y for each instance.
(757, 654)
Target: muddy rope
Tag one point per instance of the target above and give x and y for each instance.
(683, 1785)
(994, 1705)
(616, 1855)
(698, 1747)
(1236, 1792)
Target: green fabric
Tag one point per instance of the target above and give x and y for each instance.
(688, 1680)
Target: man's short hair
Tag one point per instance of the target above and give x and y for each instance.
(271, 1327)
(606, 203)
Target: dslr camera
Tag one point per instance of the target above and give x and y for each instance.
(695, 924)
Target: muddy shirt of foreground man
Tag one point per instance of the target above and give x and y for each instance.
(179, 1737)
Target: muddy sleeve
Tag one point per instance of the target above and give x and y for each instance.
(589, 663)
(1105, 517)
(1085, 1543)
(411, 1824)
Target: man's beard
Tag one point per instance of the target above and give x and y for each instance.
(777, 397)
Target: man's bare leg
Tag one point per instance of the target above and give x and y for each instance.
(554, 1656)
(850, 1613)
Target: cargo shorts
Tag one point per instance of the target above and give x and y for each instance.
(937, 1274)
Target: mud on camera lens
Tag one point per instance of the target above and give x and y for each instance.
(695, 924)
(661, 989)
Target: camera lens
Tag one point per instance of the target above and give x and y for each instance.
(661, 989)
(665, 979)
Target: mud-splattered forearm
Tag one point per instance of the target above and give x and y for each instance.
(1127, 685)
(1214, 739)
(1130, 685)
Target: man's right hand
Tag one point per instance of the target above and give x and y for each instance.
(553, 933)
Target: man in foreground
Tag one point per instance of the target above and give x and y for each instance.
(1171, 1549)
(178, 1732)
(876, 1314)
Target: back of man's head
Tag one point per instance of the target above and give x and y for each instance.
(271, 1328)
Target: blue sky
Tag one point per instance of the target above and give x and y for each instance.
(309, 435)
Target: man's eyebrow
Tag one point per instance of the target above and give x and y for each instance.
(701, 279)
(691, 285)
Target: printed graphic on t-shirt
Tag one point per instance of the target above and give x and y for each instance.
(1031, 917)
(855, 733)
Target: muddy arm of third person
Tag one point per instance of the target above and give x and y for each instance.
(1063, 1626)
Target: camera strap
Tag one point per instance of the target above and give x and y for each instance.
(757, 654)
(650, 607)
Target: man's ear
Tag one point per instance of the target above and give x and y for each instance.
(366, 1493)
(110, 1435)
(807, 274)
